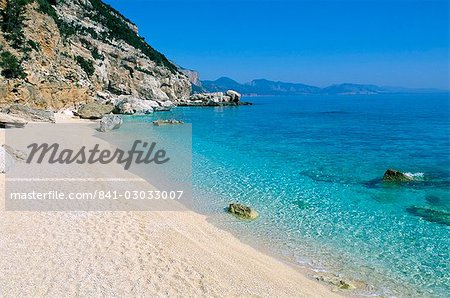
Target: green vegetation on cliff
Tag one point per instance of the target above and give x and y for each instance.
(10, 65)
(111, 19)
(118, 29)
(86, 65)
(12, 22)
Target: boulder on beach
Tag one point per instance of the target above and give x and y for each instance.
(30, 114)
(9, 120)
(110, 122)
(16, 154)
(242, 211)
(396, 176)
(130, 105)
(94, 110)
(167, 122)
(9, 156)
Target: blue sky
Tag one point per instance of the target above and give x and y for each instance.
(396, 43)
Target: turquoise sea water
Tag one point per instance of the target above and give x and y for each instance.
(312, 166)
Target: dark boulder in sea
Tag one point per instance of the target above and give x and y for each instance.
(431, 215)
(94, 110)
(110, 122)
(167, 122)
(396, 176)
(242, 211)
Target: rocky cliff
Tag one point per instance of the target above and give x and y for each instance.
(57, 53)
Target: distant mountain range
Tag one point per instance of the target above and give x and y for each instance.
(266, 87)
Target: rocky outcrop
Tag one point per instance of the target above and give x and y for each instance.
(229, 98)
(192, 75)
(242, 211)
(30, 114)
(233, 95)
(8, 120)
(94, 110)
(396, 176)
(130, 105)
(70, 50)
(167, 122)
(110, 122)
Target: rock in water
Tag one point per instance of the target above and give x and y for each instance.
(110, 122)
(94, 110)
(9, 120)
(30, 114)
(396, 176)
(234, 96)
(433, 200)
(230, 98)
(431, 215)
(242, 211)
(167, 122)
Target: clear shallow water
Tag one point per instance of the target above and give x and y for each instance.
(311, 165)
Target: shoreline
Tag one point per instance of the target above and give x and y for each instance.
(160, 253)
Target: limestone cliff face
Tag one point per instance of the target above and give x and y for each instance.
(193, 76)
(67, 51)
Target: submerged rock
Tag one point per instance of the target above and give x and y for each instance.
(433, 200)
(431, 215)
(110, 122)
(9, 120)
(335, 281)
(396, 176)
(242, 211)
(30, 114)
(94, 110)
(167, 122)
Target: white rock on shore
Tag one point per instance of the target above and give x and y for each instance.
(110, 122)
(131, 105)
(9, 120)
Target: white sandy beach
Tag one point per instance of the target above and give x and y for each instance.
(121, 254)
